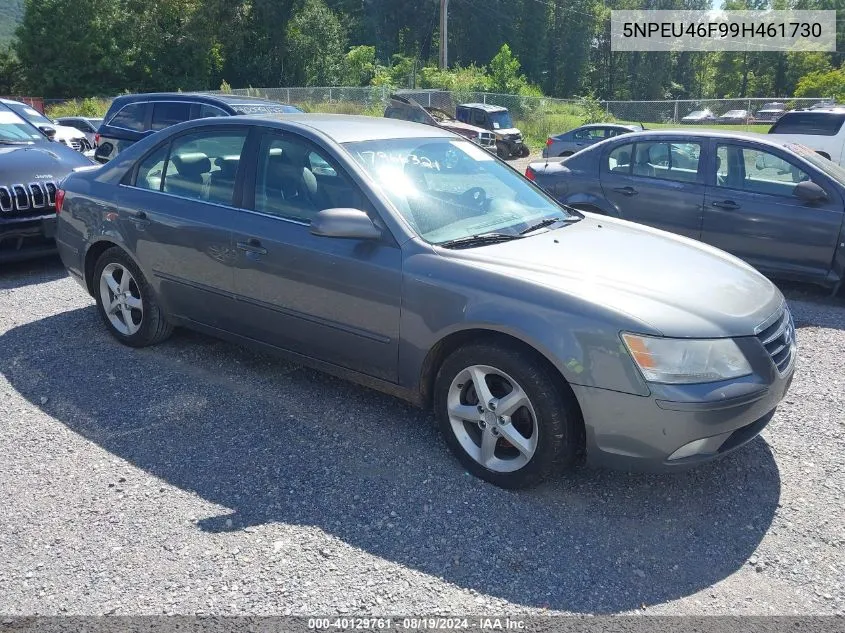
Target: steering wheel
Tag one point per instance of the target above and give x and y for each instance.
(474, 196)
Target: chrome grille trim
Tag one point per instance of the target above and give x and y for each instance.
(777, 335)
(35, 196)
(21, 197)
(6, 203)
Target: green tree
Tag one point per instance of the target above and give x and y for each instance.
(316, 42)
(11, 76)
(91, 57)
(823, 84)
(360, 66)
(504, 72)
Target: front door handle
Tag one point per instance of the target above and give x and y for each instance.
(626, 191)
(726, 204)
(252, 245)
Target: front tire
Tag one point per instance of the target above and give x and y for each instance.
(502, 151)
(126, 302)
(504, 414)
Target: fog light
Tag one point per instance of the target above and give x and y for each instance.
(704, 446)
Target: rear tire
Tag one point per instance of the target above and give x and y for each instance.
(529, 428)
(126, 302)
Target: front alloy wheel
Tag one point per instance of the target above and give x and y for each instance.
(506, 413)
(492, 418)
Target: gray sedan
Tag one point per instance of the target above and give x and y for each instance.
(568, 143)
(776, 204)
(408, 259)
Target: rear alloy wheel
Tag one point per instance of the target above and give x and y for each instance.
(126, 302)
(504, 416)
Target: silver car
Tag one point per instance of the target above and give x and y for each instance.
(409, 259)
(568, 143)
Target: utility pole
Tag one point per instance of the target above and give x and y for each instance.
(444, 34)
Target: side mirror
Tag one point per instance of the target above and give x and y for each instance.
(346, 223)
(49, 132)
(808, 191)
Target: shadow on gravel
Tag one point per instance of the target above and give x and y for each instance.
(19, 274)
(274, 442)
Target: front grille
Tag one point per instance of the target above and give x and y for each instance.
(779, 340)
(80, 144)
(19, 199)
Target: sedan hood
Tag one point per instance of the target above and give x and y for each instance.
(40, 161)
(676, 286)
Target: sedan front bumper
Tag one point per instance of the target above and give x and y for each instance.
(679, 426)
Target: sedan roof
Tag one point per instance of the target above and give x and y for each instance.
(345, 128)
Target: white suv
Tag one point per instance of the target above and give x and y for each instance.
(821, 130)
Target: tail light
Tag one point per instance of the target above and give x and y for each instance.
(60, 200)
(549, 141)
(529, 173)
(97, 140)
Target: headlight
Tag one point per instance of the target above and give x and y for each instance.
(680, 361)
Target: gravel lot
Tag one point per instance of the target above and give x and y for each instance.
(198, 477)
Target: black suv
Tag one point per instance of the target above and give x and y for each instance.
(31, 168)
(132, 117)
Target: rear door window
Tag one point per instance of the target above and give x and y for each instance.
(167, 113)
(619, 160)
(667, 160)
(811, 123)
(130, 117)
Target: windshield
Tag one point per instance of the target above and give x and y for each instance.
(699, 113)
(30, 114)
(820, 162)
(501, 120)
(450, 189)
(13, 128)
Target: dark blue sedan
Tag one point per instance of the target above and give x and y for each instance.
(778, 206)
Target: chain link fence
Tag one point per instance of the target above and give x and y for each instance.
(536, 117)
(540, 117)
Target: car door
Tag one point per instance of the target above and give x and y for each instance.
(752, 212)
(585, 137)
(657, 182)
(333, 299)
(176, 213)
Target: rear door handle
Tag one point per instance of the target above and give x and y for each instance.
(252, 245)
(726, 204)
(626, 191)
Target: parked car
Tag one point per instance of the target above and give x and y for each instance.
(31, 166)
(407, 109)
(63, 134)
(777, 205)
(771, 111)
(509, 141)
(568, 143)
(424, 266)
(133, 117)
(821, 130)
(740, 117)
(87, 125)
(699, 116)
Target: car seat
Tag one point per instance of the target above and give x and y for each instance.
(190, 177)
(221, 183)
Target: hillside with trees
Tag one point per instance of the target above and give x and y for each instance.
(554, 47)
(11, 13)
